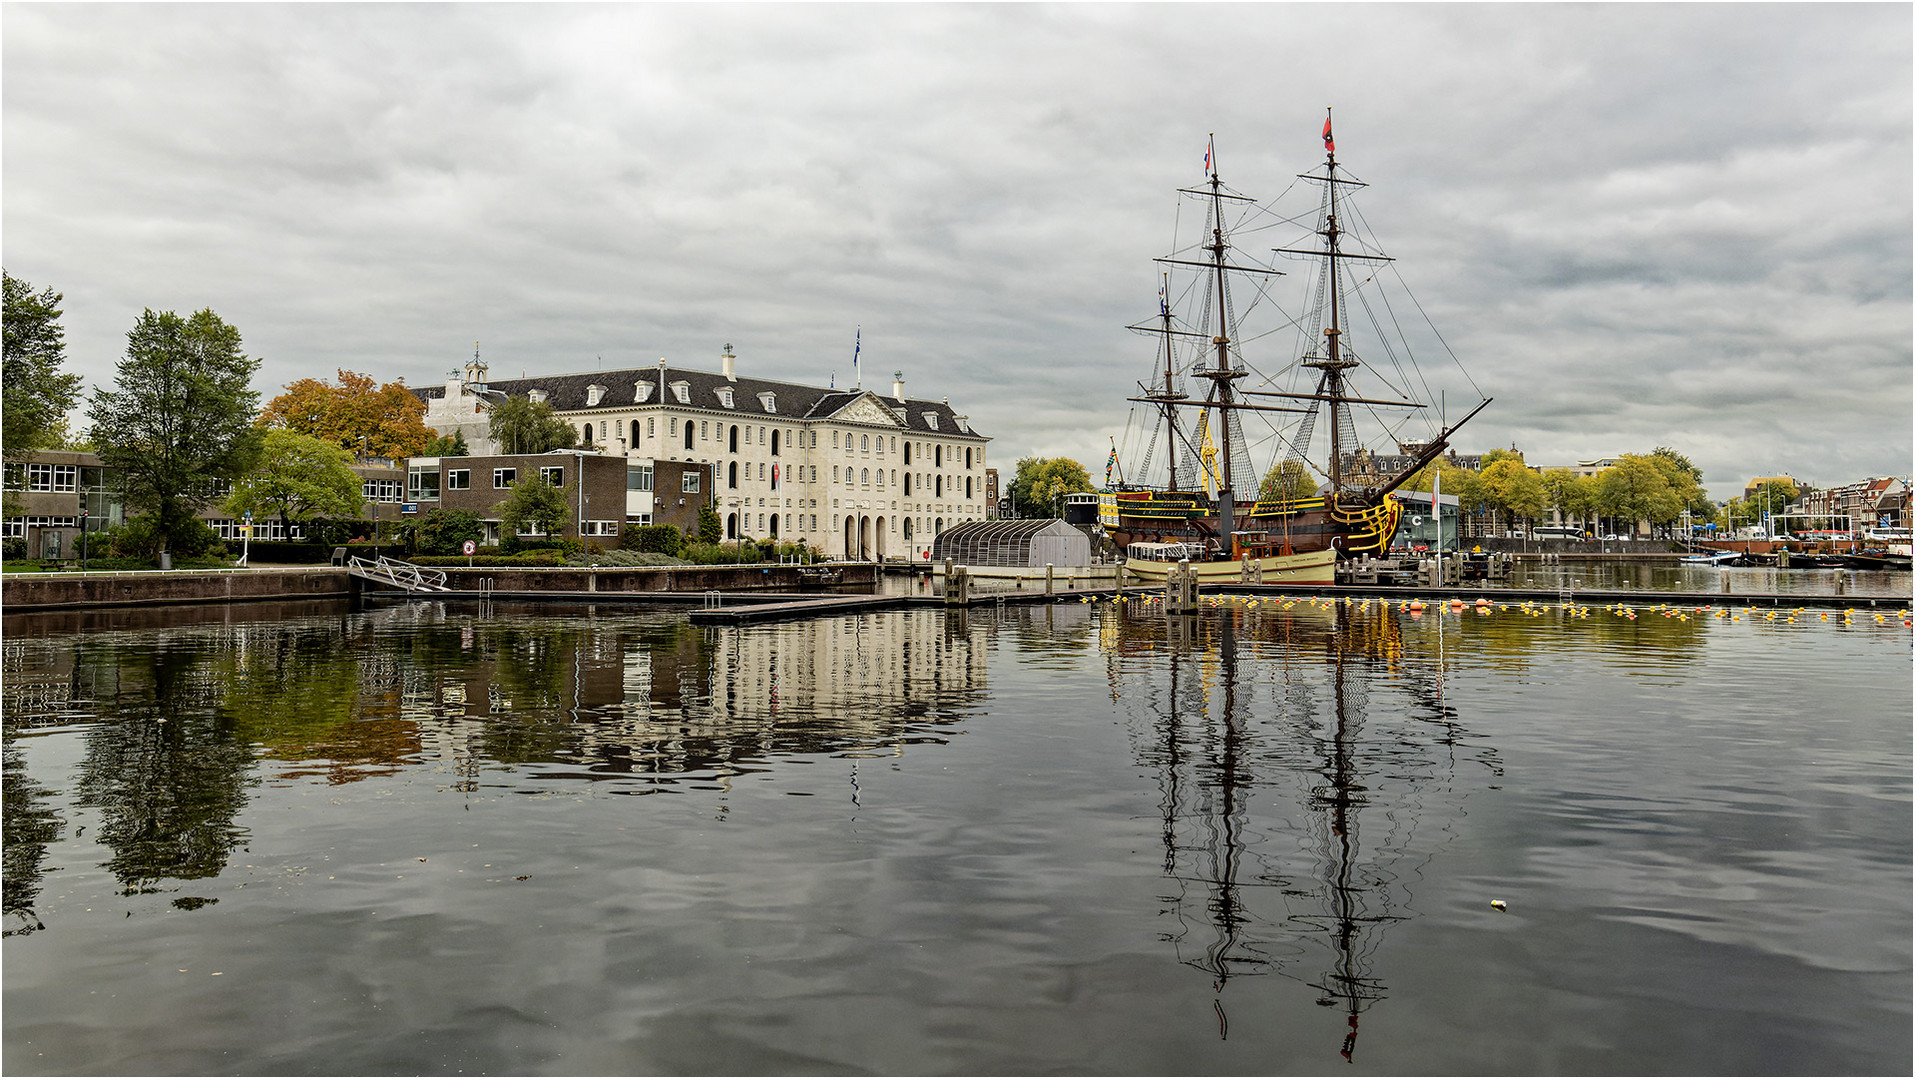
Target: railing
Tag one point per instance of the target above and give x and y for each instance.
(402, 575)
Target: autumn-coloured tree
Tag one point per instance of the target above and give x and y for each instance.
(389, 418)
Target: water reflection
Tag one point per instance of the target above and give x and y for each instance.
(178, 725)
(1296, 753)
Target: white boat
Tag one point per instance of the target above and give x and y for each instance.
(1153, 563)
(1713, 558)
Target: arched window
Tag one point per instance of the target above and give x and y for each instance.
(881, 478)
(688, 434)
(731, 526)
(864, 476)
(731, 475)
(967, 487)
(774, 533)
(908, 481)
(864, 442)
(733, 447)
(774, 454)
(908, 451)
(937, 457)
(938, 486)
(967, 457)
(586, 438)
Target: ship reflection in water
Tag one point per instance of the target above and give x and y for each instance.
(1289, 799)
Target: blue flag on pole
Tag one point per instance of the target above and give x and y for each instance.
(857, 335)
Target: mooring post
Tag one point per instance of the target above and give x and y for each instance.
(1050, 587)
(1180, 589)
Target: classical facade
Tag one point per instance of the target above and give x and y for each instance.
(857, 473)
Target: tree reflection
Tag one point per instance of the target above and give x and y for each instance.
(29, 826)
(168, 773)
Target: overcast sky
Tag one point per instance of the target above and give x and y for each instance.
(1634, 225)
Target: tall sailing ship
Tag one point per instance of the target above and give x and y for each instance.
(1295, 533)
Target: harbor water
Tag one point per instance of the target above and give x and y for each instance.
(1283, 835)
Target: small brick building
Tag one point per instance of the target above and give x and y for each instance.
(619, 492)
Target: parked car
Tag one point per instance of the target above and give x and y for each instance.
(1616, 536)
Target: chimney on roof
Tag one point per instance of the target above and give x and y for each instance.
(898, 387)
(728, 365)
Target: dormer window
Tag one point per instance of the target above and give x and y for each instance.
(642, 392)
(725, 396)
(931, 420)
(769, 400)
(536, 395)
(593, 394)
(682, 391)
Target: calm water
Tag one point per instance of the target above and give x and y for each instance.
(1078, 839)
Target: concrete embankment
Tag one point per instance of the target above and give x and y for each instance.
(139, 588)
(143, 588)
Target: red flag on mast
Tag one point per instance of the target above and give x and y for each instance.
(1328, 145)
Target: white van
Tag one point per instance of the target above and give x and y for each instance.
(1557, 532)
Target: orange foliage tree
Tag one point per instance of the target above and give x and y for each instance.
(389, 418)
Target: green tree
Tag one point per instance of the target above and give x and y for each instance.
(453, 445)
(442, 532)
(1636, 490)
(385, 421)
(521, 425)
(1288, 479)
(1771, 497)
(536, 505)
(710, 527)
(1512, 487)
(1040, 485)
(1570, 494)
(178, 424)
(34, 393)
(298, 478)
(1685, 480)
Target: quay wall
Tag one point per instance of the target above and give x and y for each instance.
(135, 588)
(141, 588)
(777, 577)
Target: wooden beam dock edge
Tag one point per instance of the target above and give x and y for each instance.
(719, 608)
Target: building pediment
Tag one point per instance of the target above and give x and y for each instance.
(867, 410)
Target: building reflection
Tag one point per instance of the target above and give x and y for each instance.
(1299, 753)
(178, 725)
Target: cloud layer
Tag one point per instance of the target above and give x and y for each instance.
(1634, 225)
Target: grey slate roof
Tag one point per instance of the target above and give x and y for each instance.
(795, 401)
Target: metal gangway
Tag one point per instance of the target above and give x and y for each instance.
(398, 574)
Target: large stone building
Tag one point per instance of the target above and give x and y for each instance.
(857, 473)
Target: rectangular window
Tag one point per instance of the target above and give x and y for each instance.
(504, 478)
(385, 491)
(458, 479)
(41, 477)
(422, 484)
(637, 520)
(638, 478)
(701, 429)
(553, 474)
(649, 421)
(689, 483)
(602, 528)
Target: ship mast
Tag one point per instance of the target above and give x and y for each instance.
(1334, 364)
(1170, 386)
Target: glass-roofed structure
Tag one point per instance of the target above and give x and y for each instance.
(1027, 542)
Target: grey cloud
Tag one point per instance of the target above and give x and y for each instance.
(1635, 224)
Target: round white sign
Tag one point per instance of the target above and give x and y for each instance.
(470, 547)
